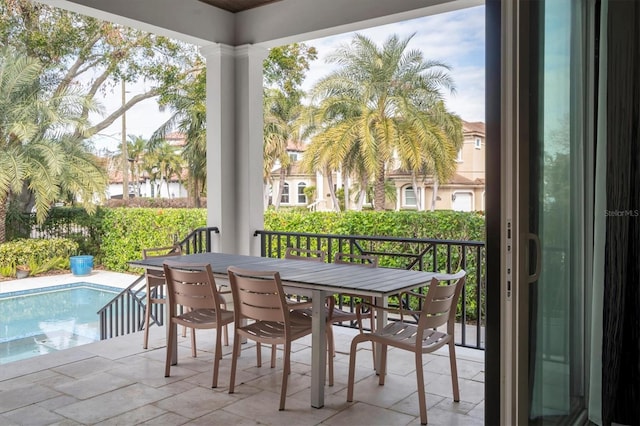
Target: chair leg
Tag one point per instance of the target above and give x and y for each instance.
(171, 341)
(193, 342)
(454, 371)
(147, 319)
(226, 335)
(372, 324)
(421, 397)
(273, 356)
(234, 361)
(216, 357)
(285, 373)
(331, 352)
(258, 354)
(352, 367)
(383, 365)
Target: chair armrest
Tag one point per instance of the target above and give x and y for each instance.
(410, 294)
(360, 311)
(299, 305)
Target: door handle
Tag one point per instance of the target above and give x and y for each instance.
(533, 238)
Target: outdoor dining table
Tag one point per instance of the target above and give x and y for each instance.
(316, 280)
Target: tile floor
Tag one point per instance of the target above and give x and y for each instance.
(116, 382)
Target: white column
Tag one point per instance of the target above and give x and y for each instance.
(234, 146)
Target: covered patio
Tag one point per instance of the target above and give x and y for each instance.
(115, 381)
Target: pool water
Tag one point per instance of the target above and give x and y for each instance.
(38, 322)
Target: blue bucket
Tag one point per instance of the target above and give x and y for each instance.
(81, 265)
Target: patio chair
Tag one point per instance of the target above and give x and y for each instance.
(259, 302)
(335, 315)
(193, 287)
(438, 308)
(297, 253)
(155, 285)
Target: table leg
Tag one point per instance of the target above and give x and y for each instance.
(318, 349)
(381, 321)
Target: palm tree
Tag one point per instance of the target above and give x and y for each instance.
(164, 163)
(39, 152)
(384, 104)
(282, 124)
(189, 118)
(136, 148)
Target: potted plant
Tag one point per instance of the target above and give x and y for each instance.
(22, 271)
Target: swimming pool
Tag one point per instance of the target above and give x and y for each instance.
(41, 321)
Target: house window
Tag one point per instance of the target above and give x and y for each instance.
(409, 197)
(459, 158)
(478, 143)
(285, 194)
(302, 199)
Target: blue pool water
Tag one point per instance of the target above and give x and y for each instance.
(37, 322)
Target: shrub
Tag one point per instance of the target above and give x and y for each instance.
(39, 255)
(126, 231)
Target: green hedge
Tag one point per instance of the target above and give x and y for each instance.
(126, 231)
(38, 255)
(441, 224)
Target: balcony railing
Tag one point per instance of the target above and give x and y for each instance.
(125, 313)
(420, 254)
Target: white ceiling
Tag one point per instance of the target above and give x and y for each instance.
(272, 24)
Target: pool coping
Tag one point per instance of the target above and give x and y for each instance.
(99, 277)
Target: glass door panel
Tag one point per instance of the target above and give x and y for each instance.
(556, 304)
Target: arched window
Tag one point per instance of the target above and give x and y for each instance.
(285, 194)
(302, 198)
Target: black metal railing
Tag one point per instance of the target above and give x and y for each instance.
(124, 314)
(421, 254)
(199, 240)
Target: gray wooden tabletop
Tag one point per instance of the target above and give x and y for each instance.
(379, 282)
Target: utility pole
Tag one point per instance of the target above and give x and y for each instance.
(125, 155)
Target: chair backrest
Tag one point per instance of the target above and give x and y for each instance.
(441, 301)
(175, 250)
(154, 277)
(191, 286)
(367, 260)
(257, 295)
(305, 254)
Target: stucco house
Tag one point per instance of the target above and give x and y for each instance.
(464, 192)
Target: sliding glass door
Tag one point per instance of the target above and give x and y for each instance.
(547, 203)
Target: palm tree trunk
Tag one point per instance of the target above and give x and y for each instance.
(3, 218)
(276, 202)
(332, 192)
(196, 192)
(265, 195)
(345, 180)
(417, 193)
(378, 188)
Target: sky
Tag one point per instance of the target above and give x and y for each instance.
(455, 38)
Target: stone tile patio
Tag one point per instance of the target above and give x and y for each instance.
(116, 382)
